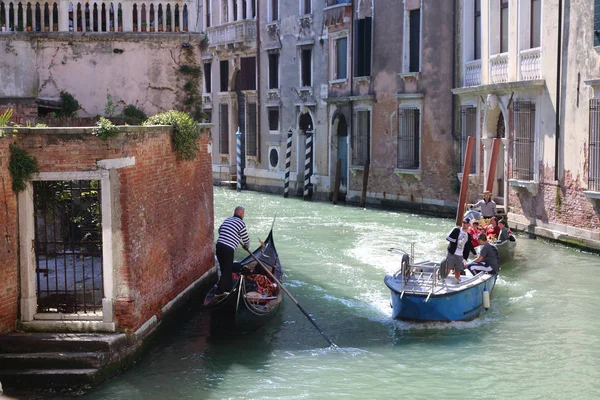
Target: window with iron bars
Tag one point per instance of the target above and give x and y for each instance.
(361, 138)
(224, 129)
(409, 138)
(594, 147)
(468, 128)
(251, 139)
(524, 140)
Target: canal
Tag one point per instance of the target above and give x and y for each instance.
(540, 339)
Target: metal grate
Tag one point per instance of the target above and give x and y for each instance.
(251, 139)
(594, 147)
(409, 133)
(224, 129)
(524, 141)
(468, 128)
(360, 140)
(68, 246)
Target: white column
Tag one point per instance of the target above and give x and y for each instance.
(50, 17)
(230, 16)
(106, 17)
(139, 17)
(15, 16)
(83, 18)
(248, 9)
(7, 14)
(240, 12)
(173, 17)
(127, 9)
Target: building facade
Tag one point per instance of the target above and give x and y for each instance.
(529, 76)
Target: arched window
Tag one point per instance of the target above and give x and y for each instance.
(111, 17)
(144, 19)
(87, 17)
(3, 24)
(160, 18)
(151, 17)
(185, 18)
(177, 22)
(119, 18)
(134, 17)
(95, 17)
(47, 23)
(29, 17)
(168, 27)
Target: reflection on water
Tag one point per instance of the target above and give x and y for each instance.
(540, 339)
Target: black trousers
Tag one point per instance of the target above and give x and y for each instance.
(225, 258)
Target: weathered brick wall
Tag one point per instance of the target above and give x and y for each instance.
(22, 112)
(8, 245)
(166, 214)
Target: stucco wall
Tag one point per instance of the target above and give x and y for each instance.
(132, 68)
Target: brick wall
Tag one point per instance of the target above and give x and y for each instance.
(8, 245)
(164, 206)
(22, 112)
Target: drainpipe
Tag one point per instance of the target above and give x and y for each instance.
(558, 76)
(258, 82)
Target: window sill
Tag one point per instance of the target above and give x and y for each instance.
(417, 173)
(362, 78)
(592, 196)
(409, 75)
(337, 81)
(274, 132)
(529, 186)
(355, 169)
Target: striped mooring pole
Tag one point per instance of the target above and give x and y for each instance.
(307, 164)
(288, 162)
(238, 136)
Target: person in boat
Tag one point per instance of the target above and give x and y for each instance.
(492, 230)
(474, 232)
(488, 260)
(486, 205)
(232, 232)
(504, 234)
(459, 248)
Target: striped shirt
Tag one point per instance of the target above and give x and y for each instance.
(233, 232)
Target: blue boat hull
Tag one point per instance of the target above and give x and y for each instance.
(462, 305)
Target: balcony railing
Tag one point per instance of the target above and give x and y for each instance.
(232, 33)
(336, 11)
(499, 68)
(530, 64)
(472, 73)
(331, 3)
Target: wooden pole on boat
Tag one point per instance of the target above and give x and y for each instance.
(291, 297)
(363, 196)
(336, 188)
(489, 186)
(464, 184)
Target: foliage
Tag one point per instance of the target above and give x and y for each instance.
(204, 42)
(70, 105)
(185, 131)
(21, 166)
(192, 73)
(105, 129)
(187, 69)
(110, 107)
(5, 118)
(131, 111)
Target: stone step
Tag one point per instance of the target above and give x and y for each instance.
(64, 360)
(61, 342)
(73, 380)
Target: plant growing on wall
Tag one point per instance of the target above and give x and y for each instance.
(70, 105)
(105, 129)
(135, 113)
(110, 107)
(192, 73)
(21, 166)
(185, 131)
(5, 120)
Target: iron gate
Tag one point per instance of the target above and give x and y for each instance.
(68, 246)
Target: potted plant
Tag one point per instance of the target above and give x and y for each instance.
(144, 24)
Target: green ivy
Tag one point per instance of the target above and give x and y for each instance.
(131, 111)
(105, 129)
(185, 131)
(70, 105)
(21, 166)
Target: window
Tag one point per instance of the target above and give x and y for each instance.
(248, 73)
(594, 147)
(341, 58)
(244, 8)
(414, 55)
(362, 49)
(224, 75)
(207, 77)
(251, 139)
(477, 31)
(409, 138)
(504, 26)
(207, 8)
(468, 128)
(596, 22)
(273, 70)
(274, 10)
(273, 119)
(524, 141)
(224, 129)
(306, 7)
(306, 73)
(273, 157)
(536, 23)
(361, 138)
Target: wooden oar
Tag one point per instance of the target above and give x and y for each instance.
(291, 297)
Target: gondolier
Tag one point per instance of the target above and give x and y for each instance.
(486, 205)
(232, 232)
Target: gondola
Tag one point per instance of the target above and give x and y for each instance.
(506, 249)
(254, 299)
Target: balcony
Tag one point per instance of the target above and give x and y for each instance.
(337, 12)
(472, 73)
(238, 33)
(530, 64)
(499, 68)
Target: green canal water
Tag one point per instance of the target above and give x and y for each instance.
(540, 339)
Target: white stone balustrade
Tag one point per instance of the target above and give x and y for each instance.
(530, 64)
(499, 68)
(472, 73)
(98, 16)
(233, 32)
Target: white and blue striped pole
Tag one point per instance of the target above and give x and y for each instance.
(288, 162)
(307, 163)
(238, 136)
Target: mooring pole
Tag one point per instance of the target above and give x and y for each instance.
(464, 184)
(336, 187)
(307, 164)
(238, 136)
(288, 162)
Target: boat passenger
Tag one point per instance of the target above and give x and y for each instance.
(474, 232)
(486, 205)
(232, 232)
(492, 230)
(459, 248)
(488, 260)
(503, 235)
